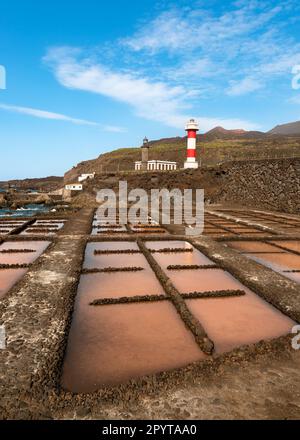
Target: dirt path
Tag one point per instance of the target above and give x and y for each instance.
(261, 390)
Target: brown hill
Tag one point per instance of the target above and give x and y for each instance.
(291, 129)
(222, 133)
(45, 184)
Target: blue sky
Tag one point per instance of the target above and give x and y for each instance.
(84, 77)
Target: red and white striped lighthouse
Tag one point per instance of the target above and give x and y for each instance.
(191, 128)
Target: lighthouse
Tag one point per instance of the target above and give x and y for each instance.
(191, 128)
(145, 153)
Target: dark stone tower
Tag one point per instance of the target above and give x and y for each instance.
(145, 154)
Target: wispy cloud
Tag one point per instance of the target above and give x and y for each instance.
(243, 86)
(185, 55)
(44, 114)
(294, 99)
(149, 99)
(182, 30)
(114, 129)
(238, 51)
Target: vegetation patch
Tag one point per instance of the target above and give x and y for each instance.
(152, 298)
(171, 250)
(41, 230)
(128, 299)
(14, 266)
(147, 231)
(16, 251)
(191, 266)
(112, 231)
(213, 294)
(112, 269)
(107, 226)
(292, 271)
(19, 238)
(141, 226)
(116, 251)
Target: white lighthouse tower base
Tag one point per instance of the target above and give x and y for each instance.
(193, 165)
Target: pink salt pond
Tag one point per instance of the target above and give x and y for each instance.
(115, 260)
(5, 231)
(8, 277)
(184, 258)
(110, 344)
(254, 233)
(115, 343)
(281, 263)
(252, 246)
(161, 244)
(236, 321)
(230, 322)
(273, 257)
(22, 258)
(208, 231)
(202, 280)
(103, 231)
(278, 262)
(118, 284)
(112, 245)
(32, 231)
(288, 244)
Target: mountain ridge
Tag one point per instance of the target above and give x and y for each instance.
(288, 129)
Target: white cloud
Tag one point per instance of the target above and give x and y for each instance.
(167, 31)
(114, 129)
(197, 68)
(251, 39)
(141, 93)
(243, 86)
(153, 100)
(294, 99)
(44, 114)
(181, 30)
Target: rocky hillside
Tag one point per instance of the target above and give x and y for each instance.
(45, 184)
(291, 129)
(216, 146)
(222, 133)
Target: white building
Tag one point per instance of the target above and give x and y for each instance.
(74, 187)
(157, 165)
(83, 177)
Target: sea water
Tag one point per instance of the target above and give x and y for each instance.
(27, 211)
